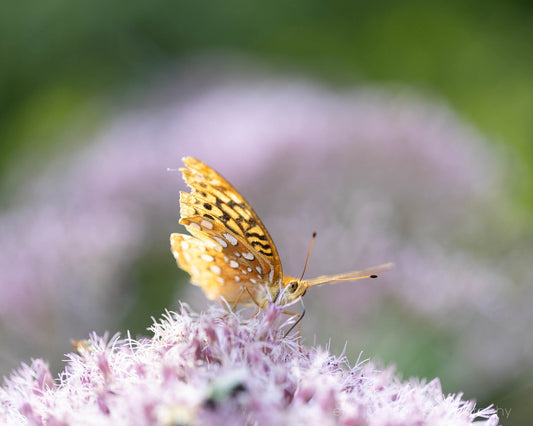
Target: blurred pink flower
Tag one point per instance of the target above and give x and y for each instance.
(214, 369)
(381, 176)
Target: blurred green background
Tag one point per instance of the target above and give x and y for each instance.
(56, 58)
(66, 65)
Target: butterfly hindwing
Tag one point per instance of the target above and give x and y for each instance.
(205, 264)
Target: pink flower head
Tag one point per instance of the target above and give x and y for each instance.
(215, 368)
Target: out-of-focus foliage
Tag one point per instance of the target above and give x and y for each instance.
(57, 56)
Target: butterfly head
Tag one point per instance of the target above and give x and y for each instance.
(293, 289)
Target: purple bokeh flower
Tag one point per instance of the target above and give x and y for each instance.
(382, 176)
(213, 368)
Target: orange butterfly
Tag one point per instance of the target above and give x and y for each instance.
(230, 254)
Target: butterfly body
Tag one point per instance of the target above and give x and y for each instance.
(229, 253)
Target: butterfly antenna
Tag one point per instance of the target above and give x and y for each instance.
(308, 254)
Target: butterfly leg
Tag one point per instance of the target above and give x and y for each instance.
(234, 305)
(259, 306)
(297, 323)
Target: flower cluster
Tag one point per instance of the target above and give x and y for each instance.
(213, 368)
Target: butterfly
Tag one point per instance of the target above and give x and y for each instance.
(230, 253)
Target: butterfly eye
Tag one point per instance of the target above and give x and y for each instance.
(293, 286)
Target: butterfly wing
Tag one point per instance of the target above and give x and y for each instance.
(204, 262)
(230, 248)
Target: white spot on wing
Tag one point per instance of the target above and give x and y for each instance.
(221, 241)
(207, 257)
(184, 245)
(258, 269)
(220, 280)
(248, 256)
(244, 272)
(194, 225)
(253, 281)
(207, 224)
(233, 264)
(249, 269)
(215, 269)
(237, 279)
(233, 241)
(187, 256)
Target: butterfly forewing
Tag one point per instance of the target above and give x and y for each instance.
(232, 249)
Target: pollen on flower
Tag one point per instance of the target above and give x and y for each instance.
(215, 368)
